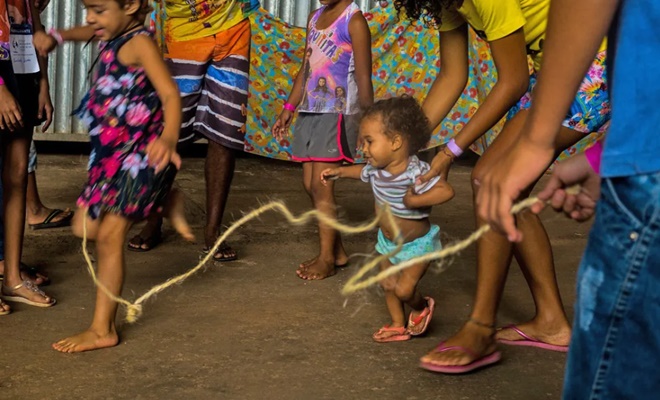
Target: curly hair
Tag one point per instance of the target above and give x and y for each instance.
(142, 12)
(404, 116)
(429, 11)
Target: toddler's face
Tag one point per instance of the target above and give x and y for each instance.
(375, 144)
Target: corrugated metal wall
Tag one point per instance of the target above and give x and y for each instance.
(69, 65)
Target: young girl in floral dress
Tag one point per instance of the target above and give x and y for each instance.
(133, 113)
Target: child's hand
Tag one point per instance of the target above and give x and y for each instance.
(11, 117)
(281, 127)
(409, 200)
(43, 43)
(330, 174)
(161, 152)
(45, 105)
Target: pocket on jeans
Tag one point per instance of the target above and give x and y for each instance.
(617, 222)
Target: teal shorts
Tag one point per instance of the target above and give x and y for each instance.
(418, 247)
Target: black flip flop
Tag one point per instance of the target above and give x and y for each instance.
(49, 223)
(151, 243)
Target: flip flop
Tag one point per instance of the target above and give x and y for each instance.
(206, 250)
(424, 317)
(2, 310)
(139, 241)
(401, 335)
(49, 223)
(530, 341)
(461, 369)
(12, 297)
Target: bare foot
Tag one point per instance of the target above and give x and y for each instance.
(341, 260)
(559, 335)
(86, 341)
(4, 308)
(317, 270)
(177, 217)
(477, 339)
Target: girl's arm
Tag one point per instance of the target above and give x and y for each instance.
(350, 172)
(451, 79)
(361, 39)
(45, 111)
(142, 51)
(440, 193)
(44, 42)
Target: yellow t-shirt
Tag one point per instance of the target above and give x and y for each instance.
(495, 19)
(194, 19)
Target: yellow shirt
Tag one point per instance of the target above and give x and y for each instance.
(495, 19)
(194, 19)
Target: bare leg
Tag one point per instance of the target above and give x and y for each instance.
(323, 198)
(14, 179)
(219, 172)
(406, 291)
(494, 254)
(394, 304)
(341, 258)
(37, 212)
(110, 247)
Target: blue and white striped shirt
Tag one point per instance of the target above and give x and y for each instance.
(390, 189)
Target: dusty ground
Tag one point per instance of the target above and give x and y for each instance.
(251, 329)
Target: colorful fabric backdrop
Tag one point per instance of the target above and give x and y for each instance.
(406, 60)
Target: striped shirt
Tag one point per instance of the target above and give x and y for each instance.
(390, 189)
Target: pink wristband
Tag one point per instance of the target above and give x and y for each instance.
(2, 81)
(593, 156)
(290, 107)
(453, 147)
(57, 36)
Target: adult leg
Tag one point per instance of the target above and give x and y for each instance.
(110, 249)
(14, 178)
(341, 258)
(323, 197)
(494, 254)
(219, 172)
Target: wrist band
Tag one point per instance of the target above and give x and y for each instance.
(593, 156)
(453, 147)
(57, 36)
(289, 106)
(2, 81)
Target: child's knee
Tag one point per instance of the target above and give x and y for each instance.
(404, 291)
(388, 284)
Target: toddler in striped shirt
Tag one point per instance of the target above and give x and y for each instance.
(391, 133)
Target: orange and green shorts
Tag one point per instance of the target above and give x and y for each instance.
(212, 75)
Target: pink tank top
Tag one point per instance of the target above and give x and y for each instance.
(329, 67)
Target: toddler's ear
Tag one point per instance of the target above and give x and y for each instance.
(397, 142)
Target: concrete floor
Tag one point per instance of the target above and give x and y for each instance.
(252, 329)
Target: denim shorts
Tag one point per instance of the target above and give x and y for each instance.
(615, 347)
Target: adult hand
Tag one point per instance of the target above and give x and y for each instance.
(579, 206)
(281, 127)
(45, 105)
(439, 167)
(43, 43)
(41, 5)
(11, 117)
(502, 185)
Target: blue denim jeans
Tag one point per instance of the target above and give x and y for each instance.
(615, 348)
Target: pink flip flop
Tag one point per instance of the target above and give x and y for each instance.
(461, 369)
(530, 341)
(401, 335)
(424, 317)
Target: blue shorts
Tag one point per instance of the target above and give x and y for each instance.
(418, 247)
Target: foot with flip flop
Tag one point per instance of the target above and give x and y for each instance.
(418, 324)
(27, 291)
(46, 218)
(534, 335)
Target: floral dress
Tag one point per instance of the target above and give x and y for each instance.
(123, 114)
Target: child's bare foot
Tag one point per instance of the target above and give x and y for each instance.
(86, 341)
(558, 334)
(317, 270)
(477, 339)
(177, 217)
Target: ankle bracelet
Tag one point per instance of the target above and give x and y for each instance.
(481, 324)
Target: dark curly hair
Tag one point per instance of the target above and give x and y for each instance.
(404, 116)
(429, 11)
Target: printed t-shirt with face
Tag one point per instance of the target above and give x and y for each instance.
(194, 19)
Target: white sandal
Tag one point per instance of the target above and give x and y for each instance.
(9, 294)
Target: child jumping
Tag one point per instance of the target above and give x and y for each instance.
(133, 113)
(391, 132)
(337, 55)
